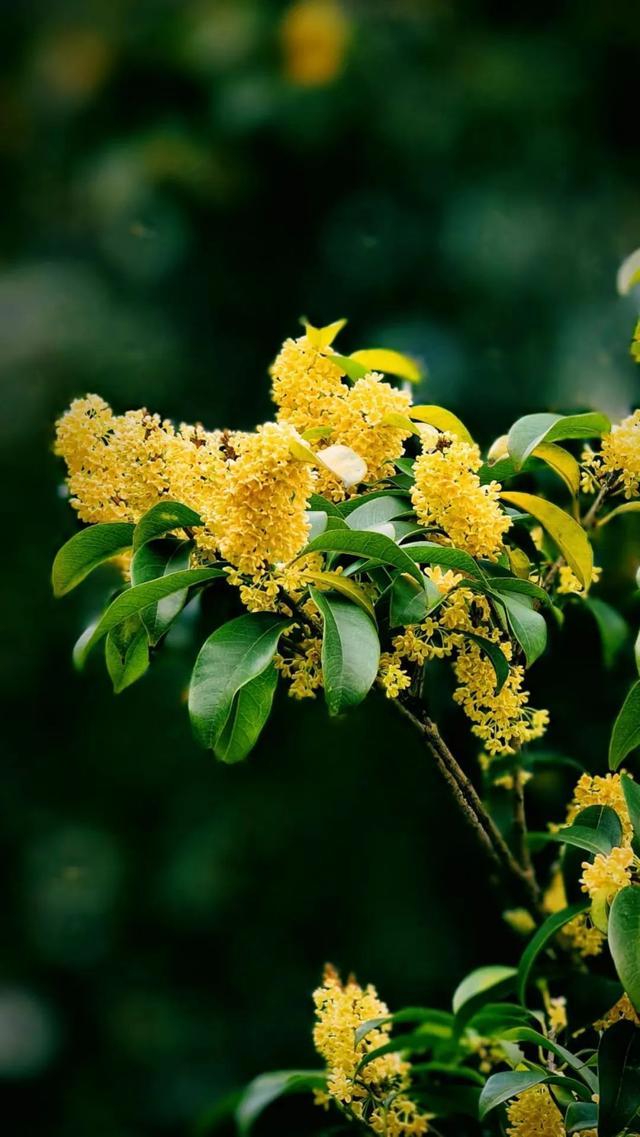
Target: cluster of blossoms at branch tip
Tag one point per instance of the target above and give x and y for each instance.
(534, 1113)
(449, 496)
(378, 1092)
(310, 394)
(617, 463)
(502, 719)
(603, 878)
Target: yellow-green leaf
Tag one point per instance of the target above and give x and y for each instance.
(627, 507)
(442, 419)
(401, 422)
(568, 535)
(561, 462)
(316, 432)
(322, 338)
(390, 361)
(348, 588)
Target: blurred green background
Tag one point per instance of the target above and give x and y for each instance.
(182, 179)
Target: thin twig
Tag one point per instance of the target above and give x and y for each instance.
(472, 808)
(520, 823)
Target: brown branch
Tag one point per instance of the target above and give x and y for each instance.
(472, 808)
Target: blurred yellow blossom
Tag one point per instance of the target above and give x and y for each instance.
(315, 34)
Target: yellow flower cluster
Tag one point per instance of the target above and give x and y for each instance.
(304, 669)
(535, 1114)
(377, 1094)
(448, 496)
(569, 583)
(502, 720)
(309, 393)
(597, 789)
(617, 461)
(258, 512)
(623, 1009)
(607, 875)
(248, 488)
(116, 463)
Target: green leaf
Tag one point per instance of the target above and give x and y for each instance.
(267, 1088)
(619, 1078)
(494, 1018)
(606, 828)
(350, 651)
(249, 712)
(163, 518)
(376, 512)
(495, 655)
(374, 546)
(539, 941)
(413, 1042)
(126, 653)
(567, 534)
(234, 655)
(409, 602)
(514, 585)
(152, 561)
(527, 625)
(352, 369)
(484, 985)
(135, 600)
(86, 550)
(624, 940)
(530, 431)
(428, 553)
(596, 829)
(341, 583)
(631, 792)
(625, 736)
(626, 507)
(504, 1086)
(434, 1022)
(581, 1115)
(612, 627)
(535, 1038)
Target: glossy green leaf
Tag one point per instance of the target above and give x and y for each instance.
(135, 600)
(413, 1042)
(163, 518)
(544, 935)
(352, 369)
(619, 1079)
(625, 735)
(493, 1019)
(376, 512)
(530, 431)
(564, 530)
(606, 829)
(514, 586)
(505, 1085)
(495, 656)
(631, 792)
(86, 550)
(428, 553)
(150, 562)
(249, 712)
(527, 625)
(535, 1038)
(596, 829)
(267, 1088)
(624, 940)
(373, 546)
(612, 627)
(484, 985)
(350, 651)
(233, 656)
(581, 1115)
(126, 653)
(338, 582)
(409, 602)
(432, 1021)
